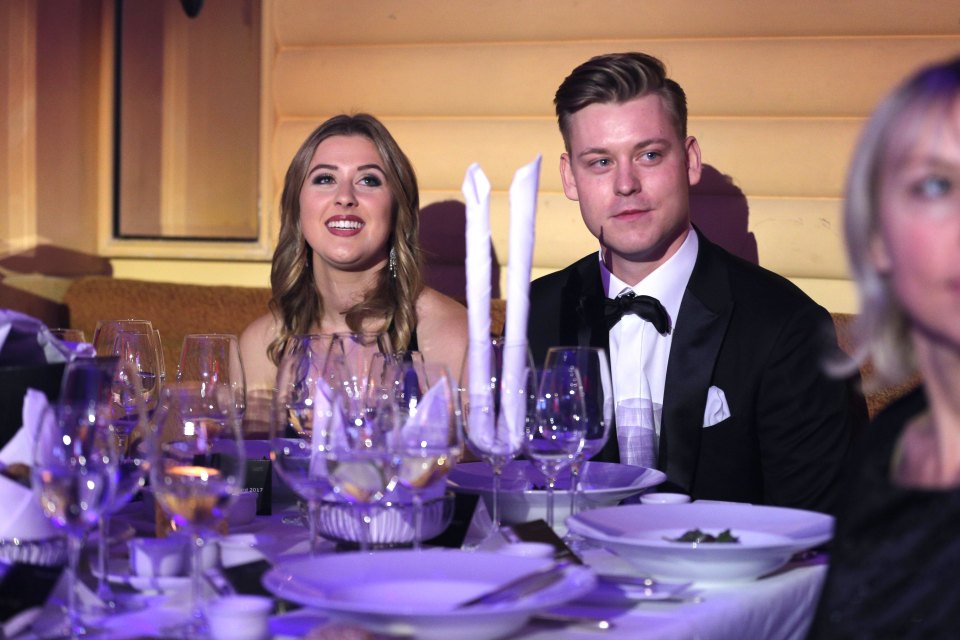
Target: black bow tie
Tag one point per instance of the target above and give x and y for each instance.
(646, 307)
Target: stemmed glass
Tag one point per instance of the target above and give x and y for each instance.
(133, 398)
(594, 370)
(429, 440)
(555, 434)
(360, 446)
(197, 468)
(495, 380)
(214, 358)
(75, 463)
(302, 410)
(105, 334)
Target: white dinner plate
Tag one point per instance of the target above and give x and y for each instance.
(118, 572)
(415, 593)
(644, 535)
(523, 497)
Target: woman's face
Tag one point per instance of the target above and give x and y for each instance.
(346, 205)
(918, 246)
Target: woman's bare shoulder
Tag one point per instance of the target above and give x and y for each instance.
(441, 328)
(254, 340)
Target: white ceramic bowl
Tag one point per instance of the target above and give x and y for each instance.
(664, 498)
(391, 524)
(239, 617)
(48, 552)
(646, 535)
(522, 497)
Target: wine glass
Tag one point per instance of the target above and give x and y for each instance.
(594, 370)
(430, 437)
(360, 445)
(495, 380)
(213, 358)
(105, 333)
(555, 434)
(75, 463)
(302, 409)
(197, 468)
(133, 398)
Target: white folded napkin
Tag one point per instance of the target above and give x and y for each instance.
(23, 517)
(24, 340)
(476, 192)
(523, 208)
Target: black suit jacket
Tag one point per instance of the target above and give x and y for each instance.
(762, 341)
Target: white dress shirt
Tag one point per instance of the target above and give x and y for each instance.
(638, 353)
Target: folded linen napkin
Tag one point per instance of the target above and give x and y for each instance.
(24, 340)
(23, 517)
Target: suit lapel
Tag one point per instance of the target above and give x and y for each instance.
(705, 312)
(584, 294)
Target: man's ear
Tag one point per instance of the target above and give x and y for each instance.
(694, 166)
(567, 178)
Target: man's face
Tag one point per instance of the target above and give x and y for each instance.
(631, 174)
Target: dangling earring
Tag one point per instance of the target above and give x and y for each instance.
(392, 264)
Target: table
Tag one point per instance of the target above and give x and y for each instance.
(778, 606)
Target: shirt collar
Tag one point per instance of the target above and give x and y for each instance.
(666, 283)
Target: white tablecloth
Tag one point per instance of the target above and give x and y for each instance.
(778, 606)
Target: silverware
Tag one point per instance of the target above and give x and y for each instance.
(587, 622)
(523, 585)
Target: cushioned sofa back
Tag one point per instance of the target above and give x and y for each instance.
(174, 309)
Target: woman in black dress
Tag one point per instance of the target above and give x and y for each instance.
(895, 564)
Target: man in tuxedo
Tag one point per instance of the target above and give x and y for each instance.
(724, 358)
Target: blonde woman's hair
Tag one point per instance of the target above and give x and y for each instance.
(295, 300)
(881, 330)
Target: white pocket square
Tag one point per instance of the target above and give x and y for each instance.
(717, 409)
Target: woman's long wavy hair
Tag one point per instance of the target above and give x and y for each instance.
(882, 328)
(295, 299)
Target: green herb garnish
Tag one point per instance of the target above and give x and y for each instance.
(698, 536)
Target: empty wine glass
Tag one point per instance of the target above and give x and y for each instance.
(105, 333)
(302, 410)
(594, 370)
(128, 426)
(429, 439)
(197, 468)
(554, 435)
(214, 358)
(495, 384)
(75, 463)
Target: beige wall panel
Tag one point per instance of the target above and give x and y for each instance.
(767, 157)
(743, 77)
(304, 22)
(837, 296)
(801, 238)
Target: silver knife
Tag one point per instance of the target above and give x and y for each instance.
(523, 585)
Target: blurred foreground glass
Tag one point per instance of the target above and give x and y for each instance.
(75, 464)
(495, 405)
(197, 469)
(302, 410)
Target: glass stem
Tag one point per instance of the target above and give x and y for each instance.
(495, 498)
(417, 520)
(74, 548)
(312, 508)
(103, 588)
(196, 558)
(365, 523)
(551, 482)
(574, 487)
